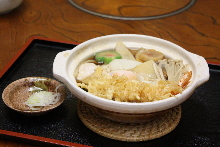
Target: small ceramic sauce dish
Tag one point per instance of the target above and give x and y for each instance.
(34, 95)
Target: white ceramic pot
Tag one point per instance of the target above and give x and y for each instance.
(66, 62)
(8, 5)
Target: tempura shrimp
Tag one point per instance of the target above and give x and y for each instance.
(184, 81)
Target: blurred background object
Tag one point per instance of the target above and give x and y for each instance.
(133, 10)
(7, 6)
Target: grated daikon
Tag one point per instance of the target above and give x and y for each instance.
(43, 98)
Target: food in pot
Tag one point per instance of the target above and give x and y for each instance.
(107, 56)
(141, 75)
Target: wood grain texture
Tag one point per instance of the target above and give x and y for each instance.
(196, 30)
(6, 143)
(134, 8)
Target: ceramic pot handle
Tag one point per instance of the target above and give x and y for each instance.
(202, 74)
(59, 65)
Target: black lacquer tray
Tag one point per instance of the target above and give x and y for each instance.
(199, 124)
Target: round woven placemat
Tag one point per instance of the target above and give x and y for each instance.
(126, 131)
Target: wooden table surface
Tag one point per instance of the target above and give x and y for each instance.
(196, 29)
